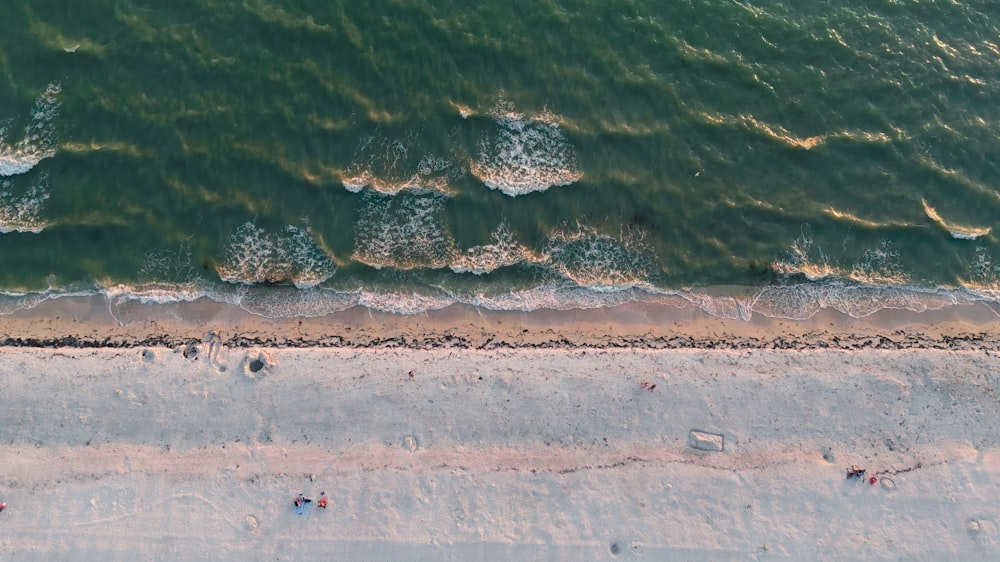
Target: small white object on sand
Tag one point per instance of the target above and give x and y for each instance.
(705, 441)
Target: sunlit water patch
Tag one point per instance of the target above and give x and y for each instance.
(959, 232)
(805, 257)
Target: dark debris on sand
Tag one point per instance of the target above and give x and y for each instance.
(898, 341)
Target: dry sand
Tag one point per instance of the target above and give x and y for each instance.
(519, 437)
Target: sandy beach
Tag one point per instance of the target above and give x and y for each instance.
(183, 432)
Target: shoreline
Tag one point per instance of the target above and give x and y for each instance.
(96, 321)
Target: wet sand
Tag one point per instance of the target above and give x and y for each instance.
(97, 322)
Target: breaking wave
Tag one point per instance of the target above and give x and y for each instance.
(405, 231)
(21, 210)
(805, 257)
(39, 139)
(959, 232)
(879, 265)
(389, 166)
(596, 260)
(525, 155)
(984, 274)
(503, 252)
(254, 255)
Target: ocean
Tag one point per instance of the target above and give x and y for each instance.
(300, 157)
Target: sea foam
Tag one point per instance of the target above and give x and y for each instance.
(39, 139)
(983, 275)
(600, 261)
(797, 301)
(503, 252)
(11, 301)
(404, 231)
(879, 265)
(805, 300)
(286, 301)
(805, 257)
(254, 255)
(21, 210)
(388, 165)
(524, 155)
(174, 265)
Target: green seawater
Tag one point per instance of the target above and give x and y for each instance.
(309, 155)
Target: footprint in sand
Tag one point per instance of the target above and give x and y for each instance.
(981, 531)
(411, 443)
(215, 350)
(257, 364)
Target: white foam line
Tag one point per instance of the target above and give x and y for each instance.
(793, 302)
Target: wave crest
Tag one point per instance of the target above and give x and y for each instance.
(959, 232)
(596, 260)
(389, 166)
(257, 256)
(503, 252)
(525, 155)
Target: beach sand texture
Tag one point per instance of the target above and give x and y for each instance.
(194, 451)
